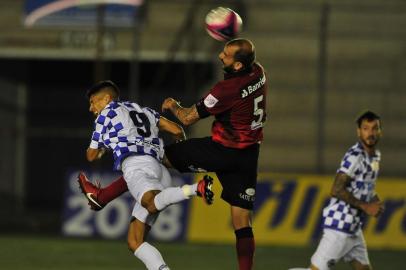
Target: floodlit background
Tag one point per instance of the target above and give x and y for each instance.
(327, 61)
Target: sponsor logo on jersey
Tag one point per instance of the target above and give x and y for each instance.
(245, 92)
(210, 101)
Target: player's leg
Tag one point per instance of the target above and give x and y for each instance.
(332, 247)
(198, 155)
(239, 192)
(202, 154)
(358, 255)
(144, 177)
(137, 232)
(99, 197)
(156, 200)
(245, 243)
(239, 188)
(113, 190)
(356, 265)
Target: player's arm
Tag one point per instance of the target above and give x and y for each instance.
(94, 154)
(173, 128)
(96, 150)
(342, 180)
(376, 198)
(187, 116)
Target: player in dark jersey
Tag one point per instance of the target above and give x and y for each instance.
(238, 104)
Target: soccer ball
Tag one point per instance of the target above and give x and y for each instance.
(223, 23)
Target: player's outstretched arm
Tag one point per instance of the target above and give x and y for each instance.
(187, 116)
(173, 128)
(374, 208)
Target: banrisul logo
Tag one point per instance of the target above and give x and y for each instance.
(245, 92)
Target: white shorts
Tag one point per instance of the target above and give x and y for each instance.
(335, 245)
(142, 174)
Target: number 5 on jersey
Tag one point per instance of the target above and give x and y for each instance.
(258, 121)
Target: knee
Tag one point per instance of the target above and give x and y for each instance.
(148, 203)
(241, 219)
(133, 244)
(151, 208)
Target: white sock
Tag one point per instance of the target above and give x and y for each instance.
(169, 196)
(151, 257)
(190, 190)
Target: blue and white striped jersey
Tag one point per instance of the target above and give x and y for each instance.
(127, 129)
(363, 169)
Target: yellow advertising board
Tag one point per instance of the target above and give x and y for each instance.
(288, 212)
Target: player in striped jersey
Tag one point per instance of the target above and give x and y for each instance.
(131, 133)
(353, 197)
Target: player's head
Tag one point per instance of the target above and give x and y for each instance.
(238, 54)
(369, 128)
(101, 94)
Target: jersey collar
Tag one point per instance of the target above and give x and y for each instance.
(237, 74)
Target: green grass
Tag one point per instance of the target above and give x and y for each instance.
(47, 253)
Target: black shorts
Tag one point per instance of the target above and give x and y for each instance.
(235, 168)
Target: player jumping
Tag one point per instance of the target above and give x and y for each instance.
(131, 132)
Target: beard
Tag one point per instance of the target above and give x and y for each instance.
(228, 69)
(370, 141)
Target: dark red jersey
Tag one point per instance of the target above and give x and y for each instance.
(238, 104)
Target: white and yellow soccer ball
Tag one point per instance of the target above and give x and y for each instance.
(223, 24)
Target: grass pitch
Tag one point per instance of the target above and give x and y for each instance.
(49, 253)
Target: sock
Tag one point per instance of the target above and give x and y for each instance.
(169, 196)
(151, 257)
(112, 191)
(245, 246)
(190, 190)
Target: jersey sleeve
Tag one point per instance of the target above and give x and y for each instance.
(218, 100)
(350, 164)
(100, 126)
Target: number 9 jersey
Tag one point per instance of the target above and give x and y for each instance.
(127, 129)
(239, 106)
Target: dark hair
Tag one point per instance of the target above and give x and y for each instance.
(367, 115)
(114, 91)
(246, 52)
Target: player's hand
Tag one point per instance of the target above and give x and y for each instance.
(101, 152)
(168, 104)
(381, 209)
(375, 208)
